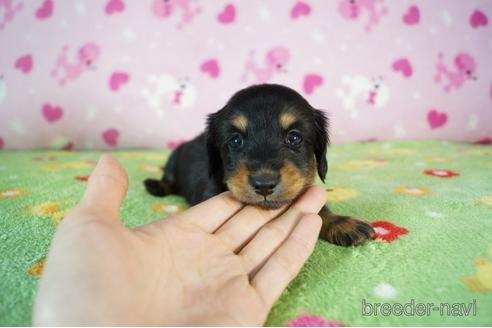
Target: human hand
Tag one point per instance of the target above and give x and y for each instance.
(217, 263)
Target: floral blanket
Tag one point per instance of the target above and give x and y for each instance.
(430, 202)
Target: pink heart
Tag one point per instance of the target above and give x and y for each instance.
(114, 6)
(300, 9)
(24, 63)
(403, 65)
(478, 19)
(412, 16)
(52, 113)
(227, 15)
(436, 119)
(312, 81)
(118, 79)
(211, 67)
(46, 10)
(110, 137)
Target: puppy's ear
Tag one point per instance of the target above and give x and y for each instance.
(321, 142)
(215, 168)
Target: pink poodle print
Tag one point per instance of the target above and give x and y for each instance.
(8, 11)
(86, 57)
(354, 9)
(274, 62)
(167, 8)
(454, 77)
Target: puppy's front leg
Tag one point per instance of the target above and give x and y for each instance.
(344, 230)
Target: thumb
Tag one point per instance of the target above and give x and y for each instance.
(106, 188)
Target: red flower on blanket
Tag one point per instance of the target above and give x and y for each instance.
(82, 178)
(441, 173)
(309, 320)
(387, 231)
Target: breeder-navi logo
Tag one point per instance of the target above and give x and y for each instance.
(419, 309)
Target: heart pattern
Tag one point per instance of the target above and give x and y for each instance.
(193, 55)
(436, 119)
(478, 19)
(412, 16)
(111, 136)
(51, 113)
(227, 15)
(403, 66)
(114, 6)
(24, 63)
(210, 67)
(117, 80)
(300, 9)
(46, 10)
(311, 82)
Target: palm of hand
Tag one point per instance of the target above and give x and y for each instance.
(218, 263)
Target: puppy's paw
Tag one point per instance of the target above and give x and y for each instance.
(157, 187)
(346, 231)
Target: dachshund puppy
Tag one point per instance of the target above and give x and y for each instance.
(265, 146)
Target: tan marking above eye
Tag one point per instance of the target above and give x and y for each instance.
(240, 122)
(287, 119)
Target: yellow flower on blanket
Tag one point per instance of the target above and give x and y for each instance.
(51, 210)
(11, 193)
(437, 159)
(150, 168)
(168, 208)
(362, 164)
(143, 156)
(339, 194)
(480, 151)
(482, 280)
(37, 268)
(414, 191)
(392, 151)
(67, 166)
(487, 200)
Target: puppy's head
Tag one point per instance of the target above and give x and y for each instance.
(267, 144)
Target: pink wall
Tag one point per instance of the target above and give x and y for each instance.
(111, 73)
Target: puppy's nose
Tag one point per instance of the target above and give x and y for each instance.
(264, 184)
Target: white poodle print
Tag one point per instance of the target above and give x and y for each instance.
(165, 91)
(358, 91)
(3, 89)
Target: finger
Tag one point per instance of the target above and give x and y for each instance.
(212, 213)
(106, 188)
(287, 261)
(273, 234)
(245, 224)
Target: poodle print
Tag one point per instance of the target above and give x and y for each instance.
(358, 89)
(3, 89)
(165, 91)
(166, 8)
(87, 56)
(465, 70)
(275, 61)
(353, 9)
(8, 10)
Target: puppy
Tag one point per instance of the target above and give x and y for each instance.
(265, 146)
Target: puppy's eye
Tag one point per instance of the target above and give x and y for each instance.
(236, 141)
(293, 138)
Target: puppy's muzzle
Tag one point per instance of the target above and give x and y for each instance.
(264, 184)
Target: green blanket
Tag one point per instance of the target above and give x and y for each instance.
(430, 203)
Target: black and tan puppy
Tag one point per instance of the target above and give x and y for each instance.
(265, 146)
